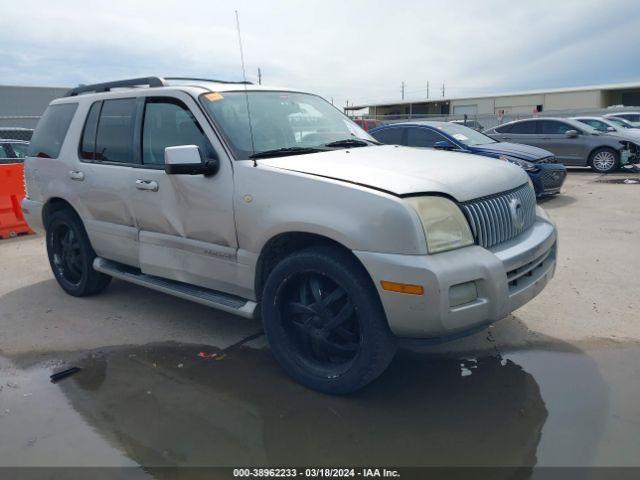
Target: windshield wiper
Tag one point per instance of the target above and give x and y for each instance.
(350, 142)
(280, 152)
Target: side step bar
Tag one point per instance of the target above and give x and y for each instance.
(205, 296)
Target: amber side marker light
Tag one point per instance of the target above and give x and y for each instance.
(402, 288)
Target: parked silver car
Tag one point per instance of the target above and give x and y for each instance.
(631, 117)
(605, 125)
(288, 209)
(573, 143)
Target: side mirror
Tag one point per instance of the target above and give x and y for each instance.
(443, 145)
(571, 133)
(611, 129)
(186, 160)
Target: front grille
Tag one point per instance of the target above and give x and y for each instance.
(553, 179)
(498, 218)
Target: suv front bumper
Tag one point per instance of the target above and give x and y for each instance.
(491, 283)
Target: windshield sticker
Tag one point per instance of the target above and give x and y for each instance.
(213, 96)
(461, 137)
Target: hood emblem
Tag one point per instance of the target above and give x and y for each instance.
(517, 213)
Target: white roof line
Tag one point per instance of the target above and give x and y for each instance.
(611, 86)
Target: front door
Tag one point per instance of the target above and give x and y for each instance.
(568, 150)
(186, 222)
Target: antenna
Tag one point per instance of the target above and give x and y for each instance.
(246, 94)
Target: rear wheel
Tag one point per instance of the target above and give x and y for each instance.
(324, 321)
(71, 255)
(604, 160)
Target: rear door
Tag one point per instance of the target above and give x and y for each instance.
(102, 177)
(523, 132)
(568, 150)
(186, 222)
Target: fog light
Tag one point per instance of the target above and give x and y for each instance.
(462, 293)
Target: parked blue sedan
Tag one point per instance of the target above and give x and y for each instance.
(547, 175)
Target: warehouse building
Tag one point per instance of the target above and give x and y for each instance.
(577, 98)
(23, 106)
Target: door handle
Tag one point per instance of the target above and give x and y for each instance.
(147, 185)
(76, 175)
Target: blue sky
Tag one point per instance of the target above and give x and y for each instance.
(357, 51)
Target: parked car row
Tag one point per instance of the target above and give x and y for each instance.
(545, 173)
(573, 142)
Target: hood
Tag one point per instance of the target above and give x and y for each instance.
(627, 134)
(406, 170)
(518, 150)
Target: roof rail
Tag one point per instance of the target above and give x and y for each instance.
(208, 80)
(107, 86)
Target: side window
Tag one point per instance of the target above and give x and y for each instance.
(391, 136)
(51, 130)
(504, 129)
(524, 128)
(554, 127)
(597, 124)
(422, 137)
(20, 149)
(88, 142)
(3, 152)
(632, 117)
(114, 138)
(168, 123)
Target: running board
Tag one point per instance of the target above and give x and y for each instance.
(205, 296)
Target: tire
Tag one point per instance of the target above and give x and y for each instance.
(71, 255)
(604, 160)
(324, 321)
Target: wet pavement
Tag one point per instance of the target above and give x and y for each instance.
(193, 405)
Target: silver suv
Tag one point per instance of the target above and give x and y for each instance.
(270, 202)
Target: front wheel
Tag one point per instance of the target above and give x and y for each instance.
(604, 160)
(71, 255)
(324, 321)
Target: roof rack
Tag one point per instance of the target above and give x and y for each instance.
(107, 86)
(212, 80)
(137, 82)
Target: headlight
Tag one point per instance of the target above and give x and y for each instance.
(444, 224)
(527, 166)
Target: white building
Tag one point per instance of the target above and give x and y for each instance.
(577, 98)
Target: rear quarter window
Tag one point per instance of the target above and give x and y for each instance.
(51, 131)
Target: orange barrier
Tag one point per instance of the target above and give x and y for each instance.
(12, 221)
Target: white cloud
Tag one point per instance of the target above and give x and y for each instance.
(357, 50)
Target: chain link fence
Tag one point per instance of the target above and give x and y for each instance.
(488, 120)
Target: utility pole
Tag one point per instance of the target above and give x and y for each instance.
(443, 90)
(331, 100)
(259, 76)
(402, 90)
(427, 89)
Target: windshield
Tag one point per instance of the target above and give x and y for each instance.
(279, 120)
(465, 135)
(620, 123)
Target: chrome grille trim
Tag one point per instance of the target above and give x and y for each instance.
(490, 217)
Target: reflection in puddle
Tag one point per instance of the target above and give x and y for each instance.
(169, 405)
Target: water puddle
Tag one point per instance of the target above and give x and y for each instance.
(621, 181)
(191, 405)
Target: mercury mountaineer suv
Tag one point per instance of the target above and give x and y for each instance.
(269, 202)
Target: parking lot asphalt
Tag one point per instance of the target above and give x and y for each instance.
(556, 383)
